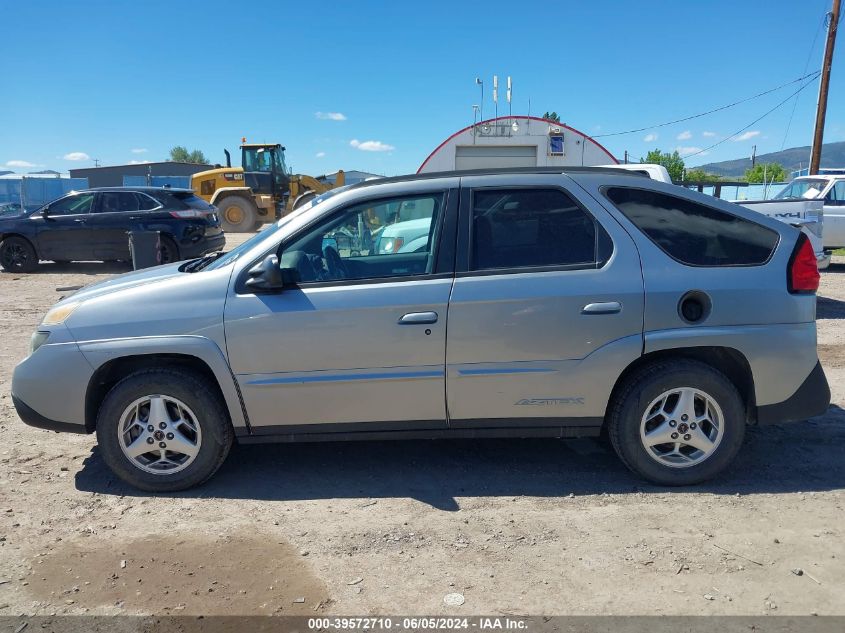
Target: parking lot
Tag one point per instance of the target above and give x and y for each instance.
(514, 526)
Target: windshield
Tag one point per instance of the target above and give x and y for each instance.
(264, 160)
(236, 252)
(798, 188)
(321, 198)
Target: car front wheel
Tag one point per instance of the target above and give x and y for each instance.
(677, 422)
(164, 430)
(17, 255)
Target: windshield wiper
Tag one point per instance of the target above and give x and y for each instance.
(202, 262)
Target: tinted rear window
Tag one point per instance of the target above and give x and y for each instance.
(693, 233)
(183, 200)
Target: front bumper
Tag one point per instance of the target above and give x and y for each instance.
(49, 387)
(812, 398)
(31, 417)
(823, 259)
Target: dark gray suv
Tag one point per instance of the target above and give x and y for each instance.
(542, 303)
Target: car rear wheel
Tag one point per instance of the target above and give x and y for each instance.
(169, 251)
(677, 422)
(237, 214)
(17, 255)
(164, 430)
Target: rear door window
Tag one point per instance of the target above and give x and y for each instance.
(145, 203)
(693, 233)
(118, 202)
(519, 228)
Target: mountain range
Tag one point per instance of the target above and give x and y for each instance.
(833, 155)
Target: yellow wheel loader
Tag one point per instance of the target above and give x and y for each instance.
(259, 191)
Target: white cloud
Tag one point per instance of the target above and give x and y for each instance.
(683, 151)
(139, 150)
(685, 135)
(650, 137)
(706, 133)
(747, 136)
(330, 116)
(139, 162)
(77, 156)
(20, 163)
(320, 154)
(371, 146)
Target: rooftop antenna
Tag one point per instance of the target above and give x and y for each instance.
(514, 124)
(496, 95)
(480, 83)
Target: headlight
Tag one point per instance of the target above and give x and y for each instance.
(38, 339)
(58, 314)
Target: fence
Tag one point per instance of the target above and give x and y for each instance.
(32, 193)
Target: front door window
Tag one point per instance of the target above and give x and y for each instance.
(378, 239)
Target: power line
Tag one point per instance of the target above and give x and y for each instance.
(813, 75)
(755, 121)
(806, 66)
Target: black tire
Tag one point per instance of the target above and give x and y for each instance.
(17, 255)
(237, 214)
(258, 224)
(169, 250)
(640, 390)
(193, 390)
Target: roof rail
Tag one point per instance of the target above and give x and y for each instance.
(492, 171)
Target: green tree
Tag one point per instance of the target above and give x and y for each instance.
(673, 162)
(699, 175)
(767, 172)
(181, 154)
(552, 116)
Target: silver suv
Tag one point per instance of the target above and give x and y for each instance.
(542, 304)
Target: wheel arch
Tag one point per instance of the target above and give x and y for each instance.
(226, 192)
(4, 236)
(727, 360)
(195, 354)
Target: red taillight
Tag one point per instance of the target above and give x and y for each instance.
(802, 273)
(190, 213)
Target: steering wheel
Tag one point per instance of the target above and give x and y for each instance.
(334, 263)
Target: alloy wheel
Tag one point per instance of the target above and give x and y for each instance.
(682, 427)
(159, 434)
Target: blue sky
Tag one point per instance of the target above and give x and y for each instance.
(377, 85)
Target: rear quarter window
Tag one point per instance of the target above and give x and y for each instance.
(692, 233)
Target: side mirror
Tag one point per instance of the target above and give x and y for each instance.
(266, 276)
(45, 212)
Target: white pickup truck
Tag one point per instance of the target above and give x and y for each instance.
(817, 205)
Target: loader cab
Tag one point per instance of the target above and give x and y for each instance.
(265, 170)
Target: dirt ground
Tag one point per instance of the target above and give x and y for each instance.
(516, 527)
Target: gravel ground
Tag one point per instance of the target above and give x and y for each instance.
(516, 527)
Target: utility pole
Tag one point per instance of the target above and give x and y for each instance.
(821, 109)
(753, 156)
(96, 162)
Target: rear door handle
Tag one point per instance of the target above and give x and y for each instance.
(418, 318)
(607, 307)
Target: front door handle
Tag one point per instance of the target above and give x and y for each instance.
(418, 318)
(80, 220)
(607, 307)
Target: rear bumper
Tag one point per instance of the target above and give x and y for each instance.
(203, 246)
(812, 398)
